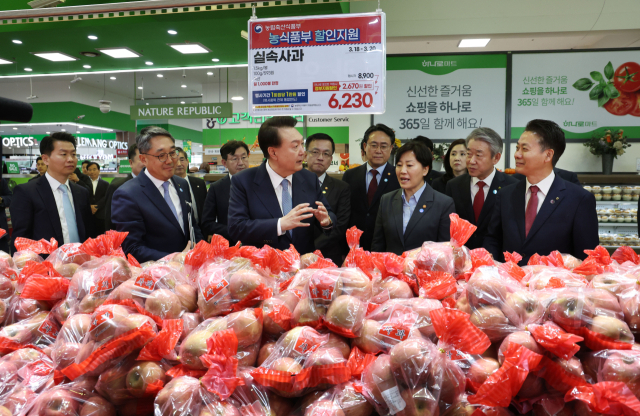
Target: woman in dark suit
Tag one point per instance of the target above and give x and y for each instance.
(415, 213)
(455, 164)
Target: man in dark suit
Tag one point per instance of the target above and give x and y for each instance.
(475, 193)
(235, 157)
(136, 168)
(432, 173)
(320, 149)
(153, 207)
(544, 212)
(277, 202)
(197, 187)
(370, 181)
(564, 174)
(5, 202)
(53, 206)
(98, 197)
(41, 167)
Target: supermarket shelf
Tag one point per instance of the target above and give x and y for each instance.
(618, 224)
(636, 248)
(599, 179)
(617, 202)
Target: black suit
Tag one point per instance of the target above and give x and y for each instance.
(199, 189)
(6, 195)
(216, 209)
(334, 244)
(429, 222)
(364, 215)
(564, 174)
(35, 177)
(84, 180)
(433, 174)
(567, 222)
(98, 198)
(115, 184)
(459, 189)
(34, 213)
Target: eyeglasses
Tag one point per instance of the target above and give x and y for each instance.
(162, 157)
(317, 153)
(383, 147)
(236, 159)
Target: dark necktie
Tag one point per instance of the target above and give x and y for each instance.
(532, 209)
(478, 201)
(373, 186)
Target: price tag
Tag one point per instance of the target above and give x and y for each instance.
(394, 400)
(317, 65)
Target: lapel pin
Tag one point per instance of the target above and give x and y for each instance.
(324, 192)
(388, 173)
(421, 210)
(424, 206)
(326, 187)
(495, 191)
(180, 189)
(557, 198)
(385, 179)
(499, 187)
(553, 202)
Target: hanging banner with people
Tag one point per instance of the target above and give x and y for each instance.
(317, 65)
(584, 92)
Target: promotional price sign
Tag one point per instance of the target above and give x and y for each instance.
(445, 97)
(317, 65)
(584, 92)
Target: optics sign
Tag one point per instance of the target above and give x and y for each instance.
(111, 144)
(19, 141)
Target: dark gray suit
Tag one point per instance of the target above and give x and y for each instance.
(430, 225)
(334, 245)
(564, 174)
(216, 209)
(199, 189)
(113, 186)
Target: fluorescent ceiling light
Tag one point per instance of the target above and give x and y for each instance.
(55, 56)
(473, 43)
(215, 60)
(187, 48)
(4, 61)
(120, 52)
(86, 66)
(63, 129)
(78, 132)
(237, 98)
(17, 42)
(147, 103)
(48, 132)
(92, 37)
(28, 69)
(172, 32)
(164, 96)
(15, 128)
(148, 63)
(183, 86)
(209, 73)
(159, 75)
(112, 78)
(139, 88)
(58, 125)
(181, 102)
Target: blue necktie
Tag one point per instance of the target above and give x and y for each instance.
(286, 200)
(167, 198)
(69, 215)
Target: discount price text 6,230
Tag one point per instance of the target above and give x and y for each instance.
(348, 100)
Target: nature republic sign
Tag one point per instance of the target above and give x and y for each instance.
(203, 110)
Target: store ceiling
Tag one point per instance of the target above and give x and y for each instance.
(8, 130)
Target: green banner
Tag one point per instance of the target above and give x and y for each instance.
(204, 110)
(13, 167)
(446, 64)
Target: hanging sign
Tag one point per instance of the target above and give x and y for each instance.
(204, 110)
(317, 65)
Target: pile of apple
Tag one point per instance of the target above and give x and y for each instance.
(230, 331)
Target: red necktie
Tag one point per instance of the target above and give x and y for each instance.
(373, 186)
(478, 201)
(532, 209)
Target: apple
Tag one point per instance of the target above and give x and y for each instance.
(76, 327)
(216, 306)
(67, 270)
(58, 402)
(248, 355)
(265, 352)
(604, 303)
(614, 283)
(481, 368)
(378, 377)
(336, 341)
(570, 310)
(97, 406)
(623, 366)
(142, 375)
(309, 398)
(247, 327)
(397, 289)
(21, 258)
(612, 327)
(269, 325)
(324, 408)
(8, 377)
(462, 408)
(411, 360)
(243, 282)
(139, 407)
(352, 402)
(125, 291)
(6, 260)
(423, 307)
(286, 364)
(307, 260)
(3, 311)
(279, 406)
(193, 347)
(26, 308)
(89, 303)
(4, 411)
(65, 354)
(121, 270)
(355, 283)
(217, 409)
(347, 312)
(188, 296)
(17, 401)
(463, 304)
(453, 379)
(189, 322)
(6, 287)
(177, 397)
(630, 303)
(112, 383)
(523, 308)
(492, 322)
(571, 366)
(533, 386)
(164, 304)
(307, 311)
(523, 338)
(486, 287)
(418, 402)
(134, 321)
(106, 320)
(370, 340)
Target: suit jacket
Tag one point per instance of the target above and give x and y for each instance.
(254, 209)
(84, 180)
(432, 224)
(139, 208)
(34, 213)
(459, 189)
(432, 175)
(567, 222)
(35, 177)
(564, 174)
(6, 195)
(99, 198)
(216, 209)
(113, 186)
(334, 244)
(199, 193)
(364, 215)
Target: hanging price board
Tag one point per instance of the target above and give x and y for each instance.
(317, 65)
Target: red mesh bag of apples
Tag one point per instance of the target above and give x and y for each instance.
(184, 396)
(78, 398)
(37, 331)
(28, 250)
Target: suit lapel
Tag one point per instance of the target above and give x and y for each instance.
(44, 189)
(360, 188)
(396, 213)
(183, 194)
(517, 202)
(464, 188)
(425, 199)
(226, 188)
(150, 190)
(550, 203)
(487, 207)
(383, 183)
(265, 192)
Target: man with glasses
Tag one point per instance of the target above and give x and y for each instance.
(235, 157)
(154, 207)
(320, 148)
(370, 181)
(197, 187)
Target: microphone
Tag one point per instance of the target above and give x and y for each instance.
(13, 110)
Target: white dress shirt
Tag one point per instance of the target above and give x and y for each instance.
(487, 184)
(95, 184)
(173, 193)
(276, 181)
(369, 176)
(322, 177)
(57, 195)
(193, 200)
(543, 189)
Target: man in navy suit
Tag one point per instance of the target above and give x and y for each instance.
(544, 212)
(153, 207)
(277, 202)
(475, 192)
(52, 205)
(5, 202)
(370, 181)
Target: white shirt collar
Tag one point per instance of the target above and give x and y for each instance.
(275, 178)
(53, 182)
(157, 182)
(322, 177)
(487, 181)
(95, 180)
(380, 169)
(133, 175)
(544, 185)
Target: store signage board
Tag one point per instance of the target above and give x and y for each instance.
(317, 65)
(13, 167)
(581, 91)
(446, 96)
(212, 151)
(204, 110)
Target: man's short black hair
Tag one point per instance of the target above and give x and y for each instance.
(38, 159)
(89, 164)
(550, 136)
(48, 142)
(85, 161)
(379, 127)
(131, 152)
(320, 136)
(268, 134)
(181, 151)
(422, 152)
(230, 147)
(426, 141)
